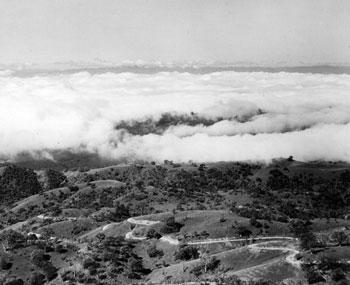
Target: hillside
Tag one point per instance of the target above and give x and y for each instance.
(174, 223)
(17, 183)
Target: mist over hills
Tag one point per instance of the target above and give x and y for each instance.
(180, 116)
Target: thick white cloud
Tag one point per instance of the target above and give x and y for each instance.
(264, 115)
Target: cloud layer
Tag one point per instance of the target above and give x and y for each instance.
(219, 116)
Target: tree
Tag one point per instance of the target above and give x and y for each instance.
(302, 230)
(42, 261)
(50, 271)
(39, 258)
(308, 240)
(121, 212)
(12, 239)
(277, 180)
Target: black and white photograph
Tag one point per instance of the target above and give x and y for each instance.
(174, 142)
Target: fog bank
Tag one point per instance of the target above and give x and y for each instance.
(219, 116)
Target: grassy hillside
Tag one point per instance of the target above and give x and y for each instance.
(169, 223)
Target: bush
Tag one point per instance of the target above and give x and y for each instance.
(255, 223)
(60, 248)
(212, 263)
(243, 231)
(12, 239)
(37, 278)
(39, 258)
(171, 226)
(187, 252)
(50, 271)
(121, 212)
(4, 263)
(152, 251)
(308, 240)
(73, 188)
(152, 233)
(90, 264)
(135, 265)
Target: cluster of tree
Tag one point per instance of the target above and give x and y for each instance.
(11, 239)
(118, 254)
(42, 261)
(301, 196)
(326, 268)
(94, 199)
(302, 230)
(51, 179)
(17, 183)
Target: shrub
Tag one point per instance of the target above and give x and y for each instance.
(152, 251)
(308, 240)
(73, 188)
(50, 271)
(187, 252)
(152, 233)
(37, 278)
(243, 231)
(4, 263)
(39, 258)
(12, 239)
(255, 223)
(135, 265)
(212, 263)
(171, 226)
(90, 264)
(60, 248)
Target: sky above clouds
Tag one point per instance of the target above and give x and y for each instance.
(262, 32)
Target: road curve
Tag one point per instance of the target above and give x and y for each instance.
(208, 241)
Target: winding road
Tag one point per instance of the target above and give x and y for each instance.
(290, 258)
